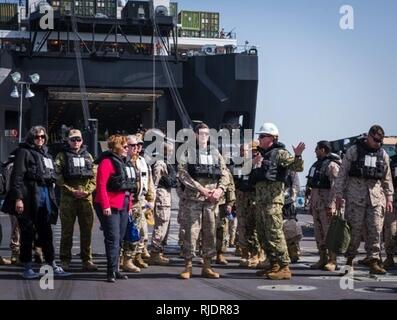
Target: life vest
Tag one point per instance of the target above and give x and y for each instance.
(242, 181)
(206, 166)
(78, 165)
(124, 179)
(370, 164)
(270, 170)
(144, 172)
(169, 181)
(318, 178)
(42, 170)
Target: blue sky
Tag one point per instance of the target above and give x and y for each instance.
(317, 81)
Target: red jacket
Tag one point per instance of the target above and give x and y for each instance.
(108, 199)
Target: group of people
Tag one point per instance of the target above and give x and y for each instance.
(125, 191)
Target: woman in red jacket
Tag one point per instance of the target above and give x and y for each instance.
(114, 188)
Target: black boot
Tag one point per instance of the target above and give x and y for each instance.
(120, 276)
(111, 277)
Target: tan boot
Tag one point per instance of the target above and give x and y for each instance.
(220, 259)
(282, 274)
(375, 268)
(187, 273)
(253, 261)
(207, 271)
(157, 258)
(138, 261)
(331, 265)
(4, 261)
(89, 266)
(128, 265)
(270, 268)
(15, 257)
(364, 262)
(145, 254)
(238, 251)
(389, 262)
(322, 262)
(244, 257)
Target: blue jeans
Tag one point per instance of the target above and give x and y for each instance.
(114, 229)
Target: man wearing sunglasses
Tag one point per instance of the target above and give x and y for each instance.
(365, 185)
(76, 176)
(270, 169)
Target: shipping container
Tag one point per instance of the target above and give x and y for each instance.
(189, 33)
(136, 10)
(8, 14)
(173, 9)
(209, 21)
(107, 7)
(190, 20)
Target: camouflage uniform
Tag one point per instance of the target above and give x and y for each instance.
(270, 201)
(71, 207)
(320, 200)
(222, 223)
(162, 213)
(390, 223)
(291, 192)
(181, 215)
(365, 204)
(201, 214)
(145, 195)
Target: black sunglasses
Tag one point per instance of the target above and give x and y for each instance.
(377, 140)
(132, 145)
(261, 136)
(125, 147)
(75, 139)
(42, 136)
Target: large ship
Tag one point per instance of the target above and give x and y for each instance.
(105, 66)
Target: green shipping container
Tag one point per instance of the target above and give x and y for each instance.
(209, 21)
(189, 33)
(173, 9)
(190, 20)
(8, 13)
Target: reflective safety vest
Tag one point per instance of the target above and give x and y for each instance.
(370, 164)
(78, 165)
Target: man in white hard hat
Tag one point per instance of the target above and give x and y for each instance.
(270, 168)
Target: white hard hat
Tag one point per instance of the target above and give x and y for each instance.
(268, 128)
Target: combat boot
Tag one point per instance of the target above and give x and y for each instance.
(349, 265)
(331, 265)
(364, 262)
(207, 271)
(282, 274)
(129, 266)
(138, 261)
(187, 273)
(89, 266)
(389, 262)
(220, 259)
(156, 258)
(270, 268)
(375, 268)
(253, 261)
(15, 257)
(145, 254)
(244, 257)
(322, 262)
(4, 261)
